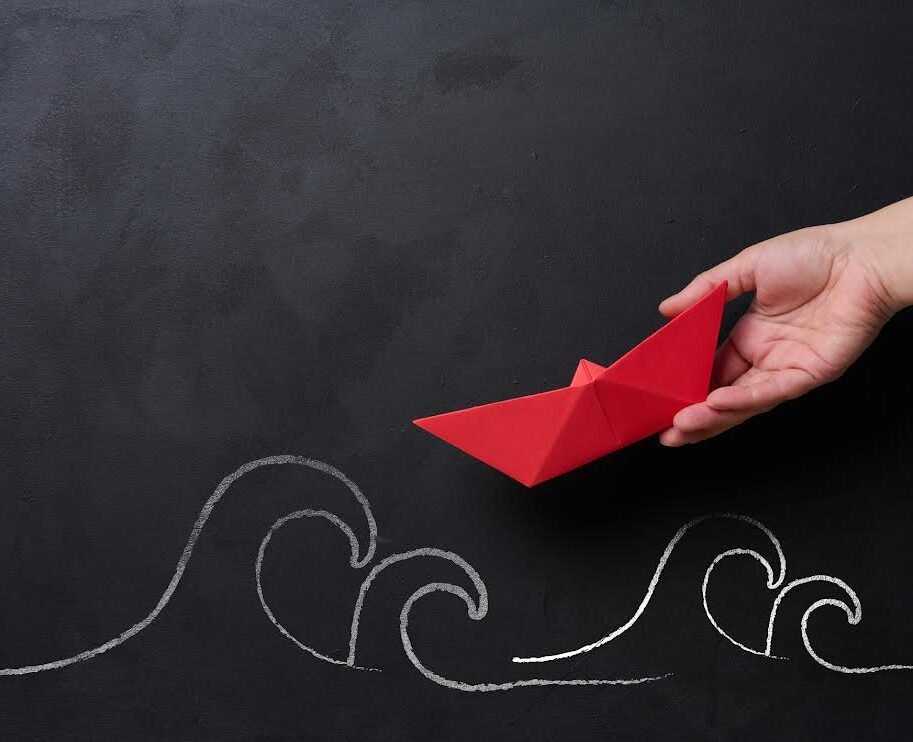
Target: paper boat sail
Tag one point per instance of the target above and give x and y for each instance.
(540, 436)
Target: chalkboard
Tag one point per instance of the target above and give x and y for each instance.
(243, 244)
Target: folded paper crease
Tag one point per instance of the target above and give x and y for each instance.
(540, 436)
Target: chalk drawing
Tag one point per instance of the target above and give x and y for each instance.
(657, 573)
(477, 605)
(475, 613)
(208, 507)
(853, 614)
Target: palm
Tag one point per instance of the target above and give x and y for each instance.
(818, 305)
(815, 310)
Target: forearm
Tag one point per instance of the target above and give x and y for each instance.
(886, 236)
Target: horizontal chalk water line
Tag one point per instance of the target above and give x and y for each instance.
(475, 612)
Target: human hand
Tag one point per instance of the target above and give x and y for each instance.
(822, 294)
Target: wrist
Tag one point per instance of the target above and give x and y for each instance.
(884, 241)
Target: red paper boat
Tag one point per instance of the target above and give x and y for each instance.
(540, 436)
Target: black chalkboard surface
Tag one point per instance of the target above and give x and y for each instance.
(255, 239)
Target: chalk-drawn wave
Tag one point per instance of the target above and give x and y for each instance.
(477, 603)
(195, 532)
(477, 606)
(772, 582)
(775, 578)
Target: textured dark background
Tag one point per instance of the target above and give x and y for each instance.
(232, 229)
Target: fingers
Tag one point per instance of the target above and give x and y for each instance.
(739, 271)
(767, 391)
(732, 405)
(701, 423)
(728, 365)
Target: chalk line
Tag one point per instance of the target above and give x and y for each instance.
(258, 567)
(213, 500)
(477, 608)
(663, 560)
(853, 617)
(771, 583)
(476, 613)
(427, 551)
(853, 614)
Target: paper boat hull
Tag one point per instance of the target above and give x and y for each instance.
(540, 436)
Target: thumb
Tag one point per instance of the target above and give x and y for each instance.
(739, 271)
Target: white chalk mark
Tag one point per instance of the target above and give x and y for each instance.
(258, 567)
(770, 581)
(615, 633)
(476, 613)
(393, 559)
(477, 608)
(365, 586)
(857, 605)
(853, 617)
(213, 500)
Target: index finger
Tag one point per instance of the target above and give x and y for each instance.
(739, 271)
